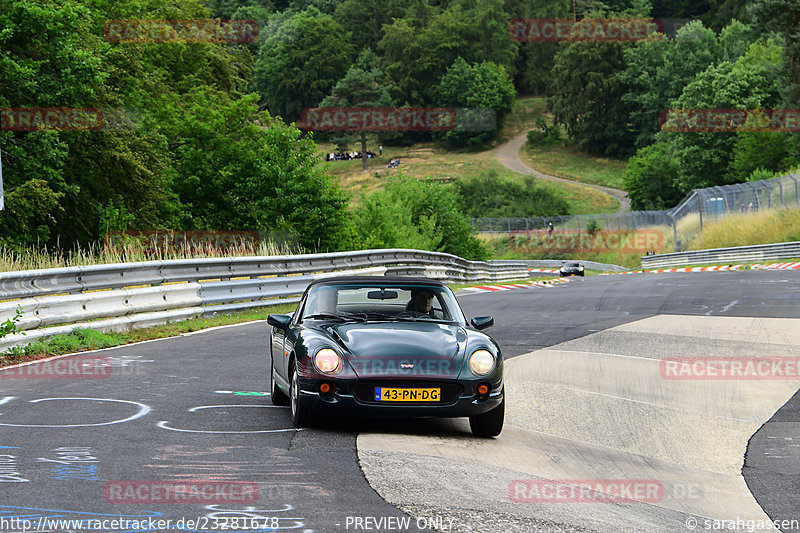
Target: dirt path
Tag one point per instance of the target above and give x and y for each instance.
(508, 155)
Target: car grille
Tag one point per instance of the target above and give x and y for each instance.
(364, 391)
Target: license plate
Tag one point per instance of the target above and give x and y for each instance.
(386, 394)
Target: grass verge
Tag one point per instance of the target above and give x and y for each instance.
(570, 163)
(746, 229)
(82, 340)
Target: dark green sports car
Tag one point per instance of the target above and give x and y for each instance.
(386, 347)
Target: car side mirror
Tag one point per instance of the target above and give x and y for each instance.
(482, 322)
(279, 321)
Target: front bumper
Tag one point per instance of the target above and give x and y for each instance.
(345, 400)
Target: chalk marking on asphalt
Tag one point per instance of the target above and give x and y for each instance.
(143, 410)
(730, 305)
(194, 409)
(163, 425)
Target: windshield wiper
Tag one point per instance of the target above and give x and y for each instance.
(344, 317)
(325, 316)
(388, 316)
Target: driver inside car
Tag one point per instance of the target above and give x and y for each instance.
(421, 303)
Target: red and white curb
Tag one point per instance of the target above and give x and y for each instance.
(497, 288)
(687, 269)
(776, 266)
(549, 270)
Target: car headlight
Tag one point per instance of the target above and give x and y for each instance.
(328, 361)
(481, 362)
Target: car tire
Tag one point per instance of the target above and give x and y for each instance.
(490, 423)
(301, 415)
(581, 274)
(276, 394)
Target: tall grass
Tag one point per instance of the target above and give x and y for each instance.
(104, 253)
(745, 229)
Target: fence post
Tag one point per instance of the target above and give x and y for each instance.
(675, 233)
(700, 210)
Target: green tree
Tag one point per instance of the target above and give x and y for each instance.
(239, 169)
(365, 19)
(362, 86)
(750, 82)
(413, 213)
(482, 90)
(418, 51)
(587, 96)
(650, 178)
(658, 69)
(298, 64)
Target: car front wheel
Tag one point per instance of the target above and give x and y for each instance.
(301, 416)
(490, 423)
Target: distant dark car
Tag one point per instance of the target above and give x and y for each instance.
(386, 347)
(571, 269)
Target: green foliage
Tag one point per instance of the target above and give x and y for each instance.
(364, 19)
(238, 168)
(363, 86)
(545, 135)
(783, 17)
(479, 87)
(9, 326)
(300, 61)
(650, 178)
(191, 150)
(769, 151)
(488, 195)
(419, 214)
(592, 226)
(587, 96)
(418, 51)
(748, 83)
(760, 174)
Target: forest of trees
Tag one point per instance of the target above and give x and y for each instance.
(207, 141)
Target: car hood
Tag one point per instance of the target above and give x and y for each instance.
(412, 349)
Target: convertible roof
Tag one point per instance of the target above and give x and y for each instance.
(376, 280)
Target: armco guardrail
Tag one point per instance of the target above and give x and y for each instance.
(128, 295)
(557, 263)
(739, 254)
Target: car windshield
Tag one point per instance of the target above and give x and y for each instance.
(401, 302)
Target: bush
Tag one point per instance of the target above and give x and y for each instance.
(545, 135)
(415, 213)
(488, 195)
